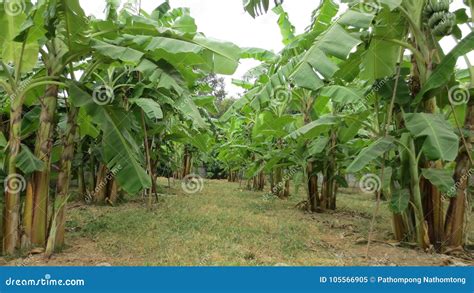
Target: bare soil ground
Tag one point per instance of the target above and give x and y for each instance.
(225, 224)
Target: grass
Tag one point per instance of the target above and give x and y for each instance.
(220, 226)
(227, 225)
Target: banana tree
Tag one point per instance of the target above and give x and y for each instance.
(65, 43)
(417, 107)
(310, 61)
(22, 41)
(405, 114)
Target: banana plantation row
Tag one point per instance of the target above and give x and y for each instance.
(102, 107)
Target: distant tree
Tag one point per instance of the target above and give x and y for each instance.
(214, 85)
(224, 105)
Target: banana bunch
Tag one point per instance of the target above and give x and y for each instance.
(436, 14)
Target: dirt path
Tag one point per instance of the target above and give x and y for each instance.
(225, 225)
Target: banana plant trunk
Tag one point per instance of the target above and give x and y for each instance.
(433, 208)
(40, 179)
(232, 176)
(432, 198)
(81, 180)
(259, 181)
(313, 196)
(56, 234)
(286, 193)
(399, 228)
(421, 228)
(11, 209)
(27, 218)
(328, 191)
(249, 184)
(281, 184)
(329, 183)
(187, 162)
(277, 187)
(150, 169)
(112, 196)
(456, 215)
(314, 201)
(91, 181)
(101, 182)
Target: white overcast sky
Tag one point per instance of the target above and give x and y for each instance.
(226, 20)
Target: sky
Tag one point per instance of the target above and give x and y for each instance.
(226, 20)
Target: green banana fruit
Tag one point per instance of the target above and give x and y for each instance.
(438, 18)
